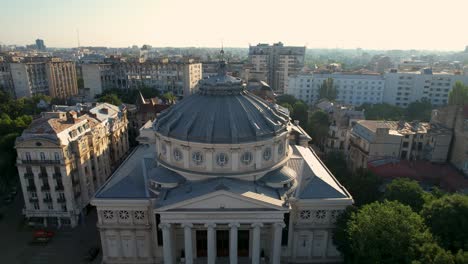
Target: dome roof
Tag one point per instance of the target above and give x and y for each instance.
(279, 176)
(222, 112)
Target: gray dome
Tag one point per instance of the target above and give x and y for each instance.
(279, 176)
(222, 112)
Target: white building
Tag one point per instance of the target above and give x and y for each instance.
(222, 176)
(354, 89)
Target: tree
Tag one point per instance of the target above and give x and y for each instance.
(459, 94)
(419, 110)
(327, 90)
(300, 112)
(363, 186)
(111, 99)
(288, 106)
(447, 218)
(318, 127)
(386, 232)
(407, 192)
(286, 98)
(382, 111)
(336, 162)
(170, 97)
(340, 236)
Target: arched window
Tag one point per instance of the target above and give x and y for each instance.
(222, 159)
(246, 158)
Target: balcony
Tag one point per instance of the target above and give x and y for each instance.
(31, 188)
(45, 161)
(43, 175)
(47, 200)
(59, 187)
(57, 175)
(45, 187)
(29, 175)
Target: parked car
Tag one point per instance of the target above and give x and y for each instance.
(42, 236)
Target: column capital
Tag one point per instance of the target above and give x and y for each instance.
(210, 225)
(184, 225)
(257, 225)
(279, 224)
(165, 226)
(234, 224)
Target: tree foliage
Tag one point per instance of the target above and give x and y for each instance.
(419, 110)
(286, 98)
(407, 192)
(318, 126)
(447, 218)
(300, 112)
(382, 111)
(327, 90)
(111, 99)
(363, 185)
(130, 96)
(459, 94)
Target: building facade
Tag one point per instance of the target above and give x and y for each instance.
(353, 89)
(50, 76)
(64, 157)
(456, 119)
(371, 140)
(179, 77)
(275, 63)
(222, 176)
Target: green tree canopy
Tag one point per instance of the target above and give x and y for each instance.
(111, 99)
(419, 110)
(300, 112)
(288, 106)
(459, 94)
(386, 232)
(286, 98)
(327, 90)
(447, 218)
(382, 111)
(363, 186)
(318, 126)
(336, 162)
(407, 192)
(170, 97)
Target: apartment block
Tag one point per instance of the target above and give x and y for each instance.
(65, 156)
(371, 140)
(48, 76)
(179, 77)
(275, 63)
(353, 88)
(456, 119)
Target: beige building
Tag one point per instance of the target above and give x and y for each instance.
(371, 140)
(455, 118)
(275, 63)
(179, 77)
(64, 157)
(48, 76)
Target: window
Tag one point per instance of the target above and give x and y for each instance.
(124, 215)
(246, 158)
(28, 156)
(405, 144)
(177, 155)
(36, 206)
(56, 155)
(164, 149)
(197, 157)
(64, 208)
(281, 148)
(108, 214)
(305, 214)
(61, 195)
(50, 206)
(267, 154)
(42, 154)
(320, 214)
(222, 159)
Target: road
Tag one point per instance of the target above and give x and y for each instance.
(68, 246)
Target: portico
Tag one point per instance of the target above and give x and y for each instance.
(215, 234)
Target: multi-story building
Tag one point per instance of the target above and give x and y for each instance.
(65, 156)
(455, 118)
(352, 88)
(342, 117)
(393, 87)
(6, 81)
(40, 45)
(48, 76)
(179, 77)
(371, 140)
(402, 88)
(275, 63)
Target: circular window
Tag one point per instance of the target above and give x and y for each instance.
(124, 215)
(305, 214)
(222, 159)
(164, 149)
(177, 155)
(281, 148)
(197, 157)
(38, 144)
(320, 214)
(108, 214)
(246, 158)
(139, 215)
(267, 154)
(334, 214)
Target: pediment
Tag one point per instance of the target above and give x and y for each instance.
(227, 201)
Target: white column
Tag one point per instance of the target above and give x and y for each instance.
(188, 243)
(277, 233)
(233, 243)
(256, 243)
(211, 243)
(167, 243)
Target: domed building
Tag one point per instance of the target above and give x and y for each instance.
(221, 177)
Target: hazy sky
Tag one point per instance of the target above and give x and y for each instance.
(372, 24)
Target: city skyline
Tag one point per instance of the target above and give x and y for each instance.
(208, 23)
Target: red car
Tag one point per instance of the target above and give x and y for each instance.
(43, 234)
